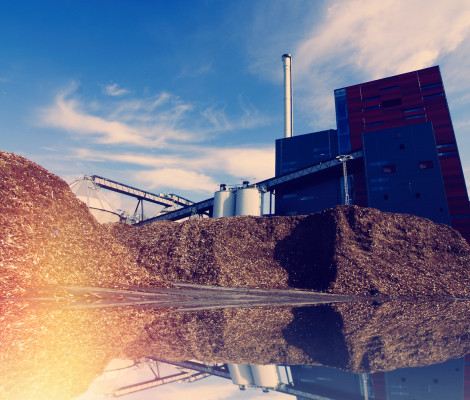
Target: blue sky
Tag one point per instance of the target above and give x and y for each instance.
(182, 96)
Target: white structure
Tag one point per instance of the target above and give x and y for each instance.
(86, 191)
(224, 203)
(265, 375)
(241, 374)
(288, 124)
(249, 201)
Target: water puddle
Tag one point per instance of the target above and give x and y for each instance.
(92, 343)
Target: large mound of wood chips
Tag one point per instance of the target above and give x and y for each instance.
(48, 236)
(346, 249)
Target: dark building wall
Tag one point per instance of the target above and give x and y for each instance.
(402, 172)
(307, 195)
(406, 99)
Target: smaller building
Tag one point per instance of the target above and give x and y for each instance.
(312, 194)
(402, 172)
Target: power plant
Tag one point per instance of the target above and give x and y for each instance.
(394, 149)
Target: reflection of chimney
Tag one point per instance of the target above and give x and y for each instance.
(287, 61)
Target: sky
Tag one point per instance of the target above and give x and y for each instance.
(181, 96)
(121, 373)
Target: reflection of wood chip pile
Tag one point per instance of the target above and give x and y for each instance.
(357, 337)
(48, 237)
(346, 249)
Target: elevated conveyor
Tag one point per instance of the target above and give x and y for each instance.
(267, 185)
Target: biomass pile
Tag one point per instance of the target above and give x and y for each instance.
(48, 237)
(346, 250)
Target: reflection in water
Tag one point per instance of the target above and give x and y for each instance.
(340, 351)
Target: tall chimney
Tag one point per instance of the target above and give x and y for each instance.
(287, 61)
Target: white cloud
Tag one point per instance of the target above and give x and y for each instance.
(153, 121)
(114, 90)
(385, 37)
(353, 41)
(128, 123)
(193, 167)
(177, 178)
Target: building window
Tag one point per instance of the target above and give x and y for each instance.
(447, 153)
(389, 169)
(413, 110)
(426, 164)
(418, 195)
(443, 146)
(391, 102)
(433, 95)
(371, 98)
(434, 85)
(415, 116)
(389, 88)
(402, 146)
(385, 196)
(374, 123)
(371, 108)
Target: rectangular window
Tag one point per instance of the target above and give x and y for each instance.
(371, 108)
(433, 95)
(391, 103)
(371, 98)
(443, 146)
(434, 85)
(447, 153)
(389, 169)
(413, 110)
(426, 164)
(374, 123)
(389, 88)
(415, 116)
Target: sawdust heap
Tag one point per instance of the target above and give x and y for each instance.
(48, 237)
(346, 249)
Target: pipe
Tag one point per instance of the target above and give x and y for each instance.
(287, 61)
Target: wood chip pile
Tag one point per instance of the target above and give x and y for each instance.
(48, 236)
(346, 249)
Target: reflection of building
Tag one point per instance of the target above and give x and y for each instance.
(449, 380)
(410, 164)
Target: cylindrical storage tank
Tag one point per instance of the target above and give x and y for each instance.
(224, 203)
(248, 201)
(241, 374)
(265, 375)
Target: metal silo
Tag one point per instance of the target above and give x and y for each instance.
(249, 201)
(241, 374)
(265, 375)
(224, 203)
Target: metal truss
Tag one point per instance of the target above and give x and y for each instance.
(167, 200)
(267, 185)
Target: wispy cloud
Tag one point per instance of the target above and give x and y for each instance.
(114, 90)
(134, 122)
(153, 121)
(177, 178)
(194, 168)
(377, 39)
(351, 41)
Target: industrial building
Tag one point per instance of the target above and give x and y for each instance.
(410, 160)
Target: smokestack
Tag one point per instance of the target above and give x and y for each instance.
(287, 61)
